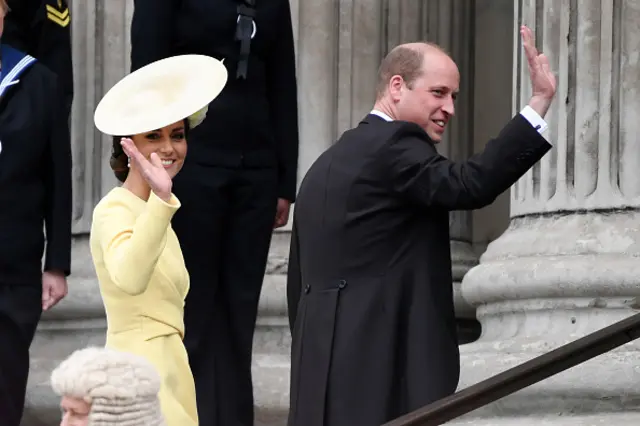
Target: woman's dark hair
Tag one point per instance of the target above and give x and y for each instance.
(119, 161)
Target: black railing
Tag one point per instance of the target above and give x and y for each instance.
(523, 375)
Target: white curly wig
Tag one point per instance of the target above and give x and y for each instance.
(122, 388)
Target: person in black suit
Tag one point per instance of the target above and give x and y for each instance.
(237, 183)
(369, 286)
(41, 28)
(35, 192)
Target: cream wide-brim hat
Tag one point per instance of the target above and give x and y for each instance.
(160, 94)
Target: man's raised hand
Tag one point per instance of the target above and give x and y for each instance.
(543, 82)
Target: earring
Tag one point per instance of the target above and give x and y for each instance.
(128, 161)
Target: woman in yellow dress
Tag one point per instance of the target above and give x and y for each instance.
(137, 256)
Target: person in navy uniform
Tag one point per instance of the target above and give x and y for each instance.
(35, 193)
(42, 29)
(238, 181)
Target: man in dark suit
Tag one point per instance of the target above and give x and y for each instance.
(35, 193)
(369, 284)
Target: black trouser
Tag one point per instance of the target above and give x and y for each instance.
(20, 311)
(224, 227)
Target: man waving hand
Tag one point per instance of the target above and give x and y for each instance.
(369, 286)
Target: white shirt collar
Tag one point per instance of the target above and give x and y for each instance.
(381, 115)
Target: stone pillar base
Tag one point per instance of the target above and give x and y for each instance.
(545, 282)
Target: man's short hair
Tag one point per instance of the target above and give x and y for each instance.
(403, 61)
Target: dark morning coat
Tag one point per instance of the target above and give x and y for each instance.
(369, 282)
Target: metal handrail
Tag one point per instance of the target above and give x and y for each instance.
(523, 375)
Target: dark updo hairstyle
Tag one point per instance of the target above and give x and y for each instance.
(119, 161)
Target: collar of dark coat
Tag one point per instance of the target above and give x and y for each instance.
(14, 63)
(409, 126)
(373, 118)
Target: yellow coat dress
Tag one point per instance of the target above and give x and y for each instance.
(143, 283)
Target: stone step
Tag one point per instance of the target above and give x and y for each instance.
(271, 389)
(609, 419)
(270, 417)
(271, 370)
(266, 416)
(608, 397)
(271, 386)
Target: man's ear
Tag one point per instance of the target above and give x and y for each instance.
(396, 87)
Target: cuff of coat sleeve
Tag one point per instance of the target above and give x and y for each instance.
(163, 209)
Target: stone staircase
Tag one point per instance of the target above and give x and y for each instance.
(604, 390)
(601, 391)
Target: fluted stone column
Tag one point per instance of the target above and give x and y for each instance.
(100, 52)
(568, 263)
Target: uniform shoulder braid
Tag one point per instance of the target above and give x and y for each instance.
(57, 11)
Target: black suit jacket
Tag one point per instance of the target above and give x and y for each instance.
(254, 121)
(35, 178)
(369, 285)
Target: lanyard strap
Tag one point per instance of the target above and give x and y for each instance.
(245, 31)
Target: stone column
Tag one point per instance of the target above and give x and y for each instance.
(100, 43)
(568, 263)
